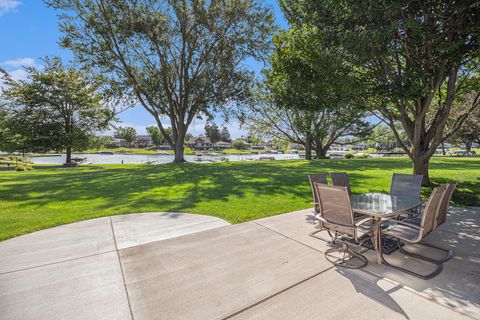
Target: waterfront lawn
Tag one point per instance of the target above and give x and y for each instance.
(235, 191)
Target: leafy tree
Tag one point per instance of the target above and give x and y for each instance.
(469, 132)
(239, 144)
(309, 93)
(181, 59)
(157, 137)
(315, 130)
(225, 135)
(187, 137)
(56, 108)
(383, 138)
(413, 56)
(129, 134)
(253, 138)
(213, 132)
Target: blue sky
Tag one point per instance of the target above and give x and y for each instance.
(28, 31)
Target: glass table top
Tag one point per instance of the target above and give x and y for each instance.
(380, 204)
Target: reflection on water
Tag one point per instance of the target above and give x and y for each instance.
(158, 159)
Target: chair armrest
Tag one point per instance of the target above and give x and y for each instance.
(360, 222)
(336, 224)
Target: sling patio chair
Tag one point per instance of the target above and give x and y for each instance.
(414, 234)
(320, 178)
(340, 179)
(407, 185)
(439, 220)
(337, 217)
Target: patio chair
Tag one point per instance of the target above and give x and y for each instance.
(414, 234)
(340, 179)
(336, 216)
(439, 219)
(320, 178)
(407, 185)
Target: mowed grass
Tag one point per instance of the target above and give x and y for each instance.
(238, 191)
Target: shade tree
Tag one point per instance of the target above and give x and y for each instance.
(180, 59)
(414, 58)
(56, 108)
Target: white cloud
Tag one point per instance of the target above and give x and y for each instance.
(20, 62)
(8, 6)
(18, 74)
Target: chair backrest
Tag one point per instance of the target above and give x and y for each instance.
(442, 211)
(340, 179)
(320, 178)
(431, 209)
(406, 185)
(335, 207)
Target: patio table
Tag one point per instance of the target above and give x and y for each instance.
(378, 206)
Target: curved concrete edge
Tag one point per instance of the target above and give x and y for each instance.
(98, 235)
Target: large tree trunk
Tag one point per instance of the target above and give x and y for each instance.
(308, 149)
(443, 148)
(320, 152)
(468, 146)
(178, 147)
(69, 155)
(420, 166)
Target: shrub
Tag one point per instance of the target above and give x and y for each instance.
(348, 155)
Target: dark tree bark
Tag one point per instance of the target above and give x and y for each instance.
(69, 155)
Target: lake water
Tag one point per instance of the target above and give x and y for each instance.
(158, 159)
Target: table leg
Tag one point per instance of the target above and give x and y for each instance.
(377, 239)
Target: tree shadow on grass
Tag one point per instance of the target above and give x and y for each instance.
(232, 191)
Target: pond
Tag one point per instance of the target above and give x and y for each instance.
(156, 158)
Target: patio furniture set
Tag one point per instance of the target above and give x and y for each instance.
(384, 222)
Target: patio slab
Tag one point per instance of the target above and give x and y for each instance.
(344, 294)
(456, 287)
(140, 228)
(61, 243)
(87, 288)
(297, 225)
(215, 273)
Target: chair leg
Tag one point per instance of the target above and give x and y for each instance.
(344, 263)
(448, 256)
(435, 272)
(313, 235)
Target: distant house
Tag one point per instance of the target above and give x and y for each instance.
(200, 143)
(143, 141)
(165, 147)
(117, 143)
(258, 147)
(296, 146)
(221, 145)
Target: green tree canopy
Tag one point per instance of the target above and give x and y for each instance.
(225, 135)
(55, 108)
(180, 59)
(212, 131)
(129, 134)
(414, 57)
(309, 92)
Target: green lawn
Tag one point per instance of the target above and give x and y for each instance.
(235, 191)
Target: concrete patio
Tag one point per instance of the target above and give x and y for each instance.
(185, 266)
